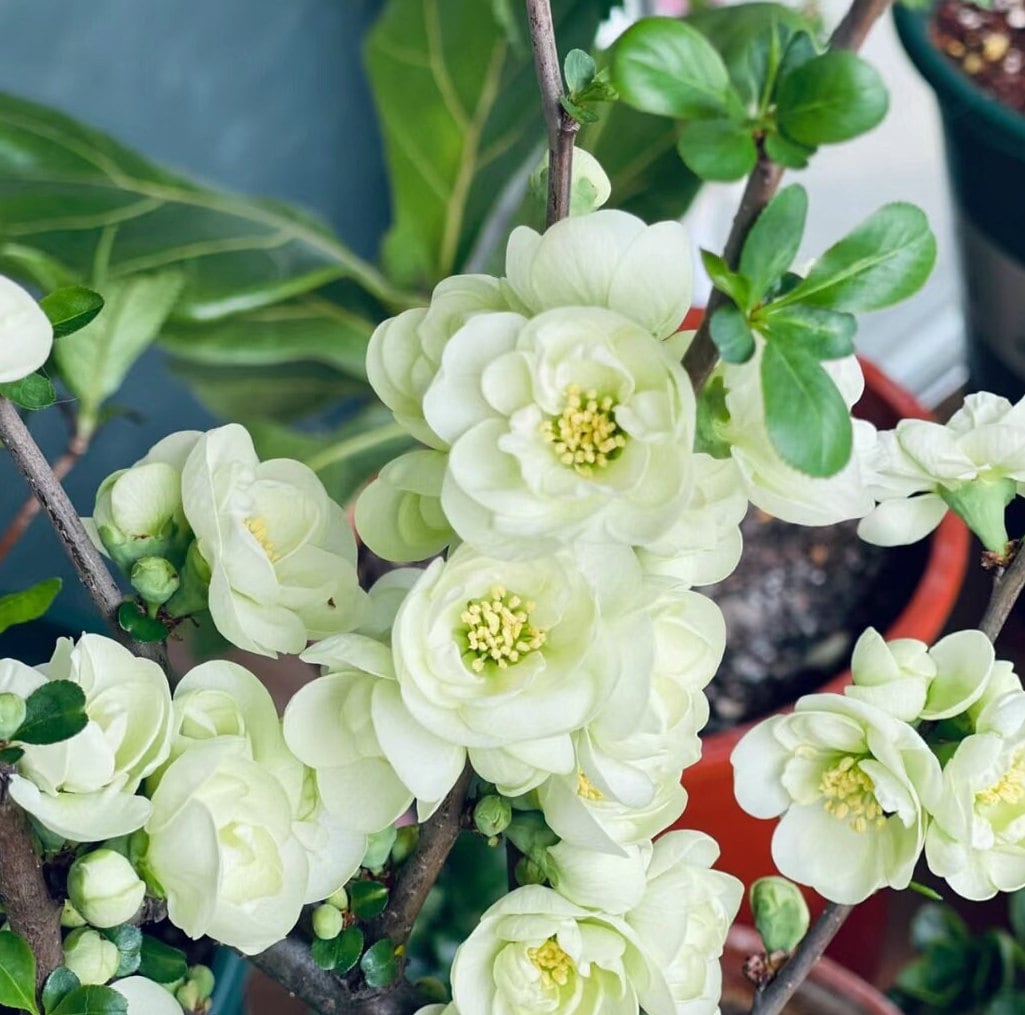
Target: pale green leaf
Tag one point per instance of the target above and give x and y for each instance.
(29, 604)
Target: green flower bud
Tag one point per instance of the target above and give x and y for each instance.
(378, 851)
(71, 917)
(12, 714)
(981, 503)
(780, 912)
(194, 578)
(203, 978)
(492, 815)
(90, 956)
(327, 922)
(104, 888)
(187, 995)
(529, 873)
(432, 990)
(339, 899)
(155, 579)
(407, 838)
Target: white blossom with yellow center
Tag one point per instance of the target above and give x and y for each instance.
(853, 786)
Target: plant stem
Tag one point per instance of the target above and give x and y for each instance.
(562, 128)
(1007, 586)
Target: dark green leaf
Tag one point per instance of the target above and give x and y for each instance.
(664, 66)
(579, 70)
(933, 924)
(379, 965)
(807, 419)
(53, 712)
(32, 392)
(712, 417)
(1016, 913)
(71, 308)
(11, 755)
(774, 239)
(786, 152)
(367, 899)
(579, 113)
(92, 1000)
(735, 286)
(339, 954)
(139, 624)
(732, 334)
(129, 945)
(17, 973)
(936, 980)
(161, 962)
(832, 98)
(821, 333)
(885, 259)
(1009, 1002)
(61, 982)
(717, 149)
(29, 604)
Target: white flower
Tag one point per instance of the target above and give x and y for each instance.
(608, 259)
(573, 425)
(852, 784)
(84, 788)
(222, 848)
(26, 334)
(973, 463)
(977, 838)
(90, 956)
(280, 551)
(534, 951)
(145, 997)
(104, 888)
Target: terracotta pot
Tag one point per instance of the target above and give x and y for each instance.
(829, 990)
(745, 841)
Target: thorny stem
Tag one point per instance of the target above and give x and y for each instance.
(562, 128)
(762, 184)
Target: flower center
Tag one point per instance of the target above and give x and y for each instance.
(258, 527)
(849, 792)
(1009, 788)
(498, 629)
(587, 789)
(585, 434)
(552, 963)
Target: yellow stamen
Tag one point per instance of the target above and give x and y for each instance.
(554, 965)
(258, 527)
(1009, 788)
(587, 789)
(498, 630)
(585, 434)
(849, 792)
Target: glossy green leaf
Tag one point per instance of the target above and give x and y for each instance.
(458, 108)
(735, 286)
(664, 66)
(884, 260)
(774, 239)
(367, 899)
(161, 962)
(17, 973)
(29, 604)
(92, 1000)
(806, 417)
(139, 624)
(104, 212)
(32, 392)
(579, 70)
(786, 152)
(128, 939)
(71, 308)
(821, 333)
(53, 712)
(341, 953)
(61, 982)
(11, 755)
(732, 334)
(379, 965)
(832, 98)
(717, 149)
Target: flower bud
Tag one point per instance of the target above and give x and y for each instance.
(71, 917)
(339, 899)
(203, 978)
(378, 849)
(104, 888)
(492, 815)
(90, 956)
(155, 579)
(194, 579)
(12, 714)
(406, 840)
(529, 873)
(327, 922)
(780, 912)
(188, 996)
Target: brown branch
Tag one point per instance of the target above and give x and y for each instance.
(857, 23)
(1007, 586)
(33, 913)
(562, 128)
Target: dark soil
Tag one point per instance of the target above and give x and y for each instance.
(987, 43)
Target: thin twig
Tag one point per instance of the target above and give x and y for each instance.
(857, 23)
(1007, 586)
(562, 128)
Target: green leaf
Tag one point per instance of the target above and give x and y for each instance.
(161, 962)
(774, 239)
(17, 973)
(1016, 913)
(367, 899)
(664, 66)
(786, 152)
(95, 361)
(821, 333)
(11, 755)
(457, 104)
(1007, 1002)
(806, 417)
(341, 953)
(105, 213)
(71, 308)
(141, 626)
(32, 392)
(933, 924)
(885, 259)
(53, 712)
(717, 149)
(61, 982)
(732, 334)
(29, 604)
(832, 98)
(379, 965)
(712, 417)
(129, 945)
(92, 1000)
(735, 286)
(579, 70)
